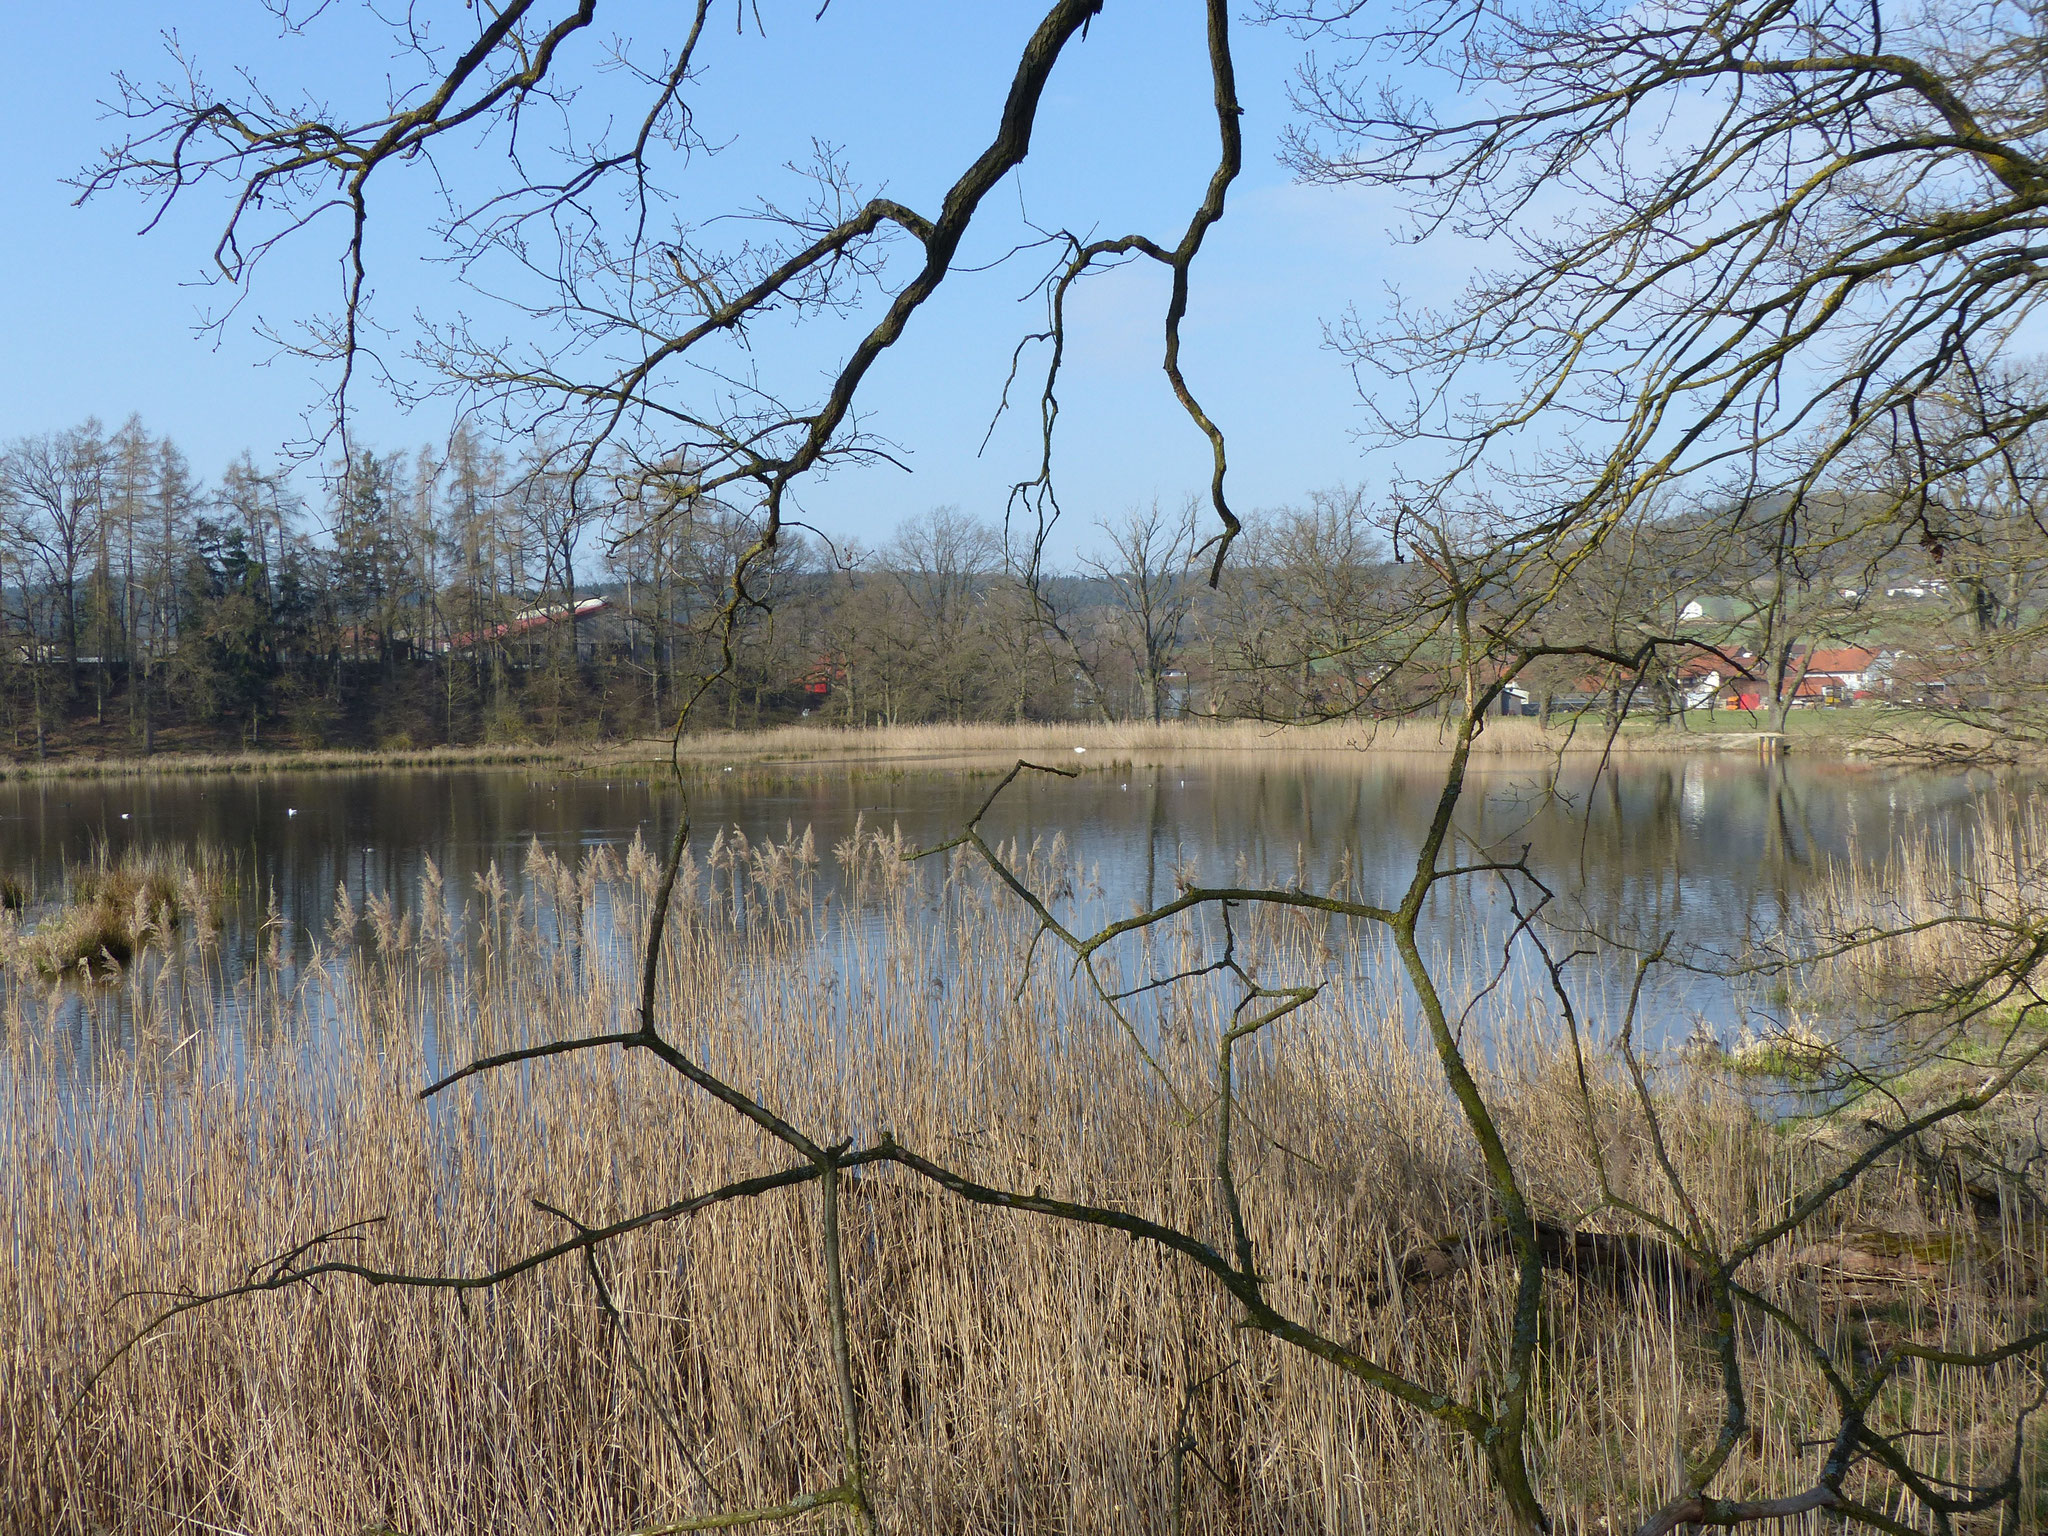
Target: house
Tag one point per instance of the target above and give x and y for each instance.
(592, 618)
(1921, 679)
(1851, 671)
(1715, 610)
(1738, 679)
(1709, 678)
(817, 684)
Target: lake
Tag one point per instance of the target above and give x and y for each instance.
(1717, 849)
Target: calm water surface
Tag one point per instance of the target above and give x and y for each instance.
(1718, 849)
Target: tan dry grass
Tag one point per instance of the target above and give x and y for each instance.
(317, 761)
(114, 907)
(1016, 1375)
(940, 742)
(1507, 735)
(1935, 918)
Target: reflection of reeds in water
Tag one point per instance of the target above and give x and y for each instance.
(1015, 1374)
(114, 907)
(1937, 917)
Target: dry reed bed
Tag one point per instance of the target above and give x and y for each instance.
(803, 743)
(1504, 735)
(111, 908)
(1015, 1375)
(292, 761)
(1944, 925)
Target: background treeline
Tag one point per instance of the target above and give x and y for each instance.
(472, 595)
(425, 598)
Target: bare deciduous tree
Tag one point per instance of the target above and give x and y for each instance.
(1732, 236)
(53, 487)
(1151, 592)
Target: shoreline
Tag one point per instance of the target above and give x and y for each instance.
(965, 745)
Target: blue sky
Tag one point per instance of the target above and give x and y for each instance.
(100, 321)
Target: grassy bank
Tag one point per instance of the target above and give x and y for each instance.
(1015, 1374)
(87, 767)
(1814, 731)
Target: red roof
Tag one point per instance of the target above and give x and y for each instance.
(525, 623)
(1703, 664)
(1845, 661)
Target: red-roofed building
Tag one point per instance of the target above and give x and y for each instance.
(531, 624)
(1851, 671)
(1706, 678)
(818, 683)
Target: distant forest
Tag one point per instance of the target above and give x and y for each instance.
(471, 595)
(467, 596)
